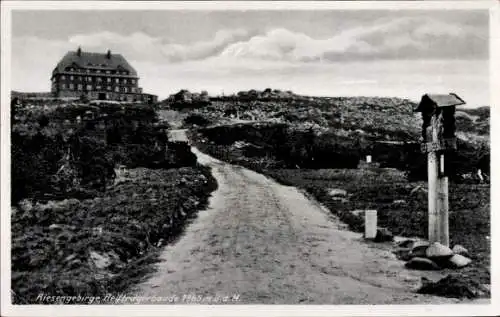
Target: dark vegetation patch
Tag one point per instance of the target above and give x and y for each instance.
(96, 190)
(454, 286)
(54, 244)
(282, 145)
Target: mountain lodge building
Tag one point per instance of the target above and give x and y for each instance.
(102, 76)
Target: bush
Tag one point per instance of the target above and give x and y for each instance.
(197, 119)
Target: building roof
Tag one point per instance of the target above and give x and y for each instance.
(95, 61)
(440, 100)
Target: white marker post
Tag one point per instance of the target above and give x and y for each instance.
(370, 224)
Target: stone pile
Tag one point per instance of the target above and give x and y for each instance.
(422, 255)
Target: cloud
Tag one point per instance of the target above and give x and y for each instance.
(403, 38)
(140, 46)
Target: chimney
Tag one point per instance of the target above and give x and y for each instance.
(108, 54)
(79, 51)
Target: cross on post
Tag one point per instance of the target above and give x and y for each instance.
(438, 137)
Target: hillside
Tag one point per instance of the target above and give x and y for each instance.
(372, 118)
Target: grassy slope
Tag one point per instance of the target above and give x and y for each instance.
(52, 244)
(376, 118)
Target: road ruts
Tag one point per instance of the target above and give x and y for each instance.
(269, 244)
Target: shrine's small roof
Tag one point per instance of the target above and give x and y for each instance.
(439, 100)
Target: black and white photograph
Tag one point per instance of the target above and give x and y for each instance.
(189, 155)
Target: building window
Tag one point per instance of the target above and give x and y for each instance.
(108, 80)
(99, 79)
(125, 89)
(98, 87)
(80, 86)
(132, 89)
(71, 77)
(117, 80)
(124, 80)
(89, 87)
(63, 86)
(117, 89)
(108, 88)
(108, 72)
(71, 86)
(98, 71)
(133, 81)
(63, 77)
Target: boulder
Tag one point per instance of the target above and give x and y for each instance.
(419, 249)
(100, 261)
(402, 253)
(458, 261)
(383, 235)
(458, 249)
(408, 243)
(337, 192)
(418, 263)
(437, 251)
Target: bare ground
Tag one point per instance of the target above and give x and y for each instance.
(264, 243)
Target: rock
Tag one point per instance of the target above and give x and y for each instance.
(438, 251)
(341, 199)
(70, 257)
(160, 243)
(383, 235)
(418, 263)
(419, 249)
(55, 226)
(100, 261)
(458, 261)
(408, 243)
(418, 189)
(358, 212)
(458, 249)
(336, 192)
(76, 263)
(26, 205)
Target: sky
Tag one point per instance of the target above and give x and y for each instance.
(404, 53)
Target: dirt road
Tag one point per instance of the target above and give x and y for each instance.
(263, 243)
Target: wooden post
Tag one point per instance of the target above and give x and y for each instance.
(438, 190)
(432, 178)
(444, 238)
(432, 175)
